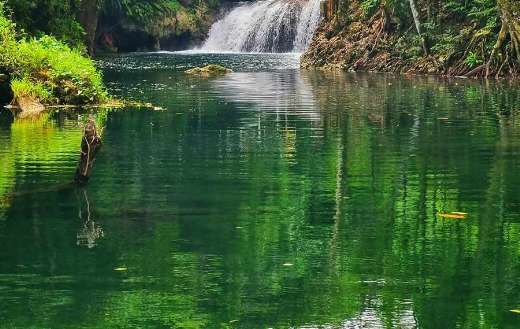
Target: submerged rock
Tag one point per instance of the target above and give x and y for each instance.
(209, 70)
(27, 107)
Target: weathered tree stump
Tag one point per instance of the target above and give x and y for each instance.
(90, 145)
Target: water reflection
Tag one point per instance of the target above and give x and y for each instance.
(209, 202)
(89, 231)
(280, 93)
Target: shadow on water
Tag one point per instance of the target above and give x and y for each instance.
(271, 198)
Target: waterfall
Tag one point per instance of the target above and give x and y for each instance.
(265, 26)
(309, 20)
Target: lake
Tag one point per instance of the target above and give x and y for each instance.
(268, 198)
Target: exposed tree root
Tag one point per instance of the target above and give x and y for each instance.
(476, 70)
(380, 44)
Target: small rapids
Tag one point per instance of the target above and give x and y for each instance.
(274, 26)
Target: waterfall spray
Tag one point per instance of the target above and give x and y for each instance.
(266, 26)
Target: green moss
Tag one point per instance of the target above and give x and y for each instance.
(58, 74)
(209, 70)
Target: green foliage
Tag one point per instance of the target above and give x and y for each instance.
(26, 88)
(369, 6)
(446, 43)
(472, 60)
(156, 18)
(48, 69)
(455, 6)
(452, 28)
(53, 17)
(139, 11)
(6, 27)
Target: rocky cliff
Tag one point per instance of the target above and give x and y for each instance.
(180, 26)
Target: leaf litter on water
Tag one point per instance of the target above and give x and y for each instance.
(453, 215)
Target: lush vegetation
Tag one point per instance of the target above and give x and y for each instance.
(117, 25)
(48, 17)
(62, 18)
(44, 43)
(454, 37)
(45, 69)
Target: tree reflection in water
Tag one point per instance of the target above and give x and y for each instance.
(89, 231)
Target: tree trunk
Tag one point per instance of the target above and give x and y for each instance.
(417, 22)
(329, 8)
(510, 14)
(88, 17)
(509, 11)
(90, 145)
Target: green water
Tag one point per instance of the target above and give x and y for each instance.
(268, 198)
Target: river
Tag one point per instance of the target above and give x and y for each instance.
(267, 198)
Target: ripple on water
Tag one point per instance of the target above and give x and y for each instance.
(271, 197)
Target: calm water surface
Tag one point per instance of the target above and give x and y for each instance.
(267, 198)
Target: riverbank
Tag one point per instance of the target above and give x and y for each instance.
(376, 36)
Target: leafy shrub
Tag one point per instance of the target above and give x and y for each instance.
(7, 32)
(369, 6)
(445, 43)
(472, 60)
(26, 88)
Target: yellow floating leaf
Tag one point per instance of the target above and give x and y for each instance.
(459, 213)
(453, 215)
(515, 311)
(288, 264)
(120, 269)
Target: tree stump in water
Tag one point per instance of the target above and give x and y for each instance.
(90, 145)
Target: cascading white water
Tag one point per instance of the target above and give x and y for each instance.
(309, 20)
(266, 26)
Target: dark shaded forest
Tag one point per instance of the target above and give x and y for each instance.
(118, 25)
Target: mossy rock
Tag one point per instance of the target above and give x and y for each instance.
(209, 70)
(27, 107)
